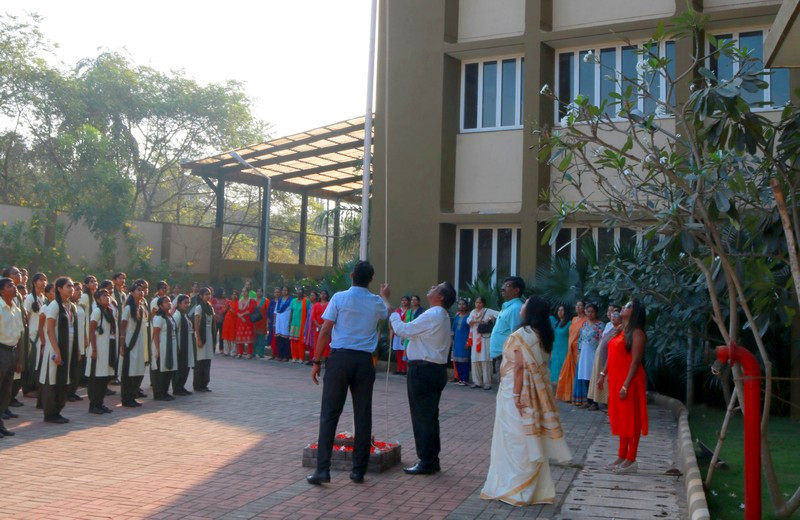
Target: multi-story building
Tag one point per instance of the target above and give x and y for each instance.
(457, 97)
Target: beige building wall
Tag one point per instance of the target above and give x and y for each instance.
(81, 245)
(190, 246)
(488, 172)
(575, 14)
(484, 19)
(10, 215)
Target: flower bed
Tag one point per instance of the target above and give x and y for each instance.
(383, 455)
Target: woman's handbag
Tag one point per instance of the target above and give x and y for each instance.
(256, 316)
(485, 329)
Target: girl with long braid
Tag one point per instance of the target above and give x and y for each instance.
(187, 346)
(34, 305)
(205, 331)
(133, 346)
(58, 359)
(164, 350)
(78, 368)
(103, 353)
(87, 303)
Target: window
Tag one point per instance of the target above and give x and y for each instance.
(595, 73)
(491, 93)
(569, 240)
(724, 67)
(486, 249)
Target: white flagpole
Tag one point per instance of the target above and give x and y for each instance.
(368, 134)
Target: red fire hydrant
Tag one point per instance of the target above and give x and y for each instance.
(752, 424)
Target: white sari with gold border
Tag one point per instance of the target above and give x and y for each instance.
(523, 443)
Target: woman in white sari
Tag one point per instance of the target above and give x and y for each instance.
(527, 427)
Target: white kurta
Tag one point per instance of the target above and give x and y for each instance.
(87, 308)
(102, 367)
(163, 337)
(205, 351)
(136, 353)
(49, 367)
(476, 337)
(190, 335)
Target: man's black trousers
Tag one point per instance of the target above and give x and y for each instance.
(425, 384)
(353, 370)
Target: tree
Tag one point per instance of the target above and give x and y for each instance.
(703, 191)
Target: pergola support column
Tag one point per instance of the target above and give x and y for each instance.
(337, 215)
(216, 233)
(301, 257)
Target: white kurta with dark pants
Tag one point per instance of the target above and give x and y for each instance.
(56, 378)
(166, 363)
(132, 362)
(186, 350)
(100, 369)
(205, 352)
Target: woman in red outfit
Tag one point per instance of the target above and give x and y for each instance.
(627, 386)
(316, 322)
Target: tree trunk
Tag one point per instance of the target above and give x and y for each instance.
(720, 439)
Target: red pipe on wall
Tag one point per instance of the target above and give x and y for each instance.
(752, 424)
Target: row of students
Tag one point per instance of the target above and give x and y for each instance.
(96, 333)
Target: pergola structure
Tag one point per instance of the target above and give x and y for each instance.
(324, 162)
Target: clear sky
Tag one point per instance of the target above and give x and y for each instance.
(303, 61)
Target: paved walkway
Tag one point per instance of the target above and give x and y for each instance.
(236, 452)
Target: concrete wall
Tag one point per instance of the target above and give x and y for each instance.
(489, 172)
(484, 19)
(574, 14)
(183, 247)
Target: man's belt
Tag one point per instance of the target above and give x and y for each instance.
(9, 347)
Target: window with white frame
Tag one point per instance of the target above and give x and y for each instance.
(491, 94)
(752, 40)
(596, 72)
(484, 249)
(568, 241)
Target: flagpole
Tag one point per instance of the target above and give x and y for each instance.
(368, 135)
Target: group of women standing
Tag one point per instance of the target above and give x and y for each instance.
(288, 325)
(96, 333)
(527, 430)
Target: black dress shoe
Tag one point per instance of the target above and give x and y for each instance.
(8, 414)
(6, 433)
(77, 397)
(15, 403)
(358, 478)
(106, 409)
(96, 410)
(419, 469)
(110, 392)
(139, 393)
(62, 419)
(318, 477)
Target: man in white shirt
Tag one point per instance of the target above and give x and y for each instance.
(428, 345)
(350, 323)
(10, 332)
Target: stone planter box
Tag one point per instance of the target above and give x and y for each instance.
(342, 459)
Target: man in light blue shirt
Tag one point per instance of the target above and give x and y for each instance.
(509, 319)
(350, 324)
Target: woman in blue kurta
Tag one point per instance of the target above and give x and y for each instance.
(460, 346)
(561, 342)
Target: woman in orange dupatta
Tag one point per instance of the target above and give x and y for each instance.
(566, 380)
(527, 428)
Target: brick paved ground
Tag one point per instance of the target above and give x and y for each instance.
(236, 453)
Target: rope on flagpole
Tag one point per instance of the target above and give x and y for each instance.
(386, 191)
